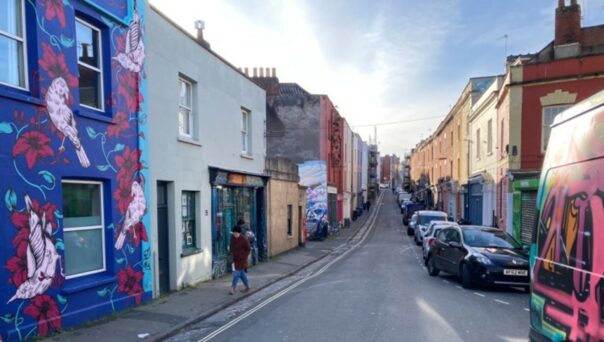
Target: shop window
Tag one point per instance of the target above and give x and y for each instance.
(90, 65)
(549, 114)
(185, 108)
(12, 43)
(83, 228)
(289, 220)
(245, 132)
(189, 222)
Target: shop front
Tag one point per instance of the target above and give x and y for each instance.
(236, 197)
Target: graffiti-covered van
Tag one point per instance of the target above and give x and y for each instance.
(567, 253)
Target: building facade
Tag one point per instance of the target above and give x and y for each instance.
(73, 155)
(203, 179)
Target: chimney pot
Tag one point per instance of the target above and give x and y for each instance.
(246, 71)
(261, 72)
(267, 72)
(274, 72)
(255, 72)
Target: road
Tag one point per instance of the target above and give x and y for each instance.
(377, 290)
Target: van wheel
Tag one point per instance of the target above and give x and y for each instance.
(466, 276)
(432, 270)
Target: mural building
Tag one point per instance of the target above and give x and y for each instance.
(74, 220)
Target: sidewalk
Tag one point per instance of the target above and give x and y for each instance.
(175, 311)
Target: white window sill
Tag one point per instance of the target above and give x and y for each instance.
(188, 140)
(247, 156)
(289, 237)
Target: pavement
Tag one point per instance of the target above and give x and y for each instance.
(171, 313)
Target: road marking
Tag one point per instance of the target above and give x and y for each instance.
(446, 281)
(459, 287)
(371, 224)
(479, 294)
(527, 309)
(502, 302)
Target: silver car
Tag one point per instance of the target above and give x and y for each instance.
(424, 218)
(430, 235)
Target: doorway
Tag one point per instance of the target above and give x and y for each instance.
(163, 238)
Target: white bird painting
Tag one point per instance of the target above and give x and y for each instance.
(62, 117)
(134, 213)
(134, 53)
(42, 257)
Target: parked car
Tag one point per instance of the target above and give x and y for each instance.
(410, 209)
(403, 196)
(566, 251)
(430, 236)
(424, 218)
(404, 206)
(479, 254)
(412, 224)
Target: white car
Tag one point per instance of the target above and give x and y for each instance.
(424, 218)
(430, 235)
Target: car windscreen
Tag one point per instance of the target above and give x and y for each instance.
(486, 239)
(426, 219)
(433, 231)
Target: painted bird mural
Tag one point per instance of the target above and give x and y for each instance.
(134, 213)
(62, 117)
(42, 257)
(134, 53)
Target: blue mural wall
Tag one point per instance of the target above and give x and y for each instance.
(313, 175)
(46, 137)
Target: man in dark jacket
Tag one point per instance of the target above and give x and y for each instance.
(240, 249)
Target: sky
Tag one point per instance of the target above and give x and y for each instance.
(397, 65)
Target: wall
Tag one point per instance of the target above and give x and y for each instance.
(220, 92)
(47, 136)
(280, 195)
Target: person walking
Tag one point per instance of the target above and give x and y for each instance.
(240, 249)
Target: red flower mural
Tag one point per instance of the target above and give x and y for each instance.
(55, 66)
(120, 124)
(127, 164)
(44, 309)
(17, 265)
(129, 89)
(123, 196)
(34, 145)
(141, 234)
(54, 8)
(129, 282)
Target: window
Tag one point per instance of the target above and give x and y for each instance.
(185, 108)
(90, 65)
(12, 43)
(501, 147)
(490, 137)
(549, 114)
(478, 143)
(245, 132)
(289, 220)
(188, 219)
(83, 228)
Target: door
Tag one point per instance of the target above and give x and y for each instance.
(456, 253)
(528, 217)
(163, 238)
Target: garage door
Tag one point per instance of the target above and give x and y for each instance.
(529, 213)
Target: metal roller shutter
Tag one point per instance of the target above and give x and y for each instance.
(529, 212)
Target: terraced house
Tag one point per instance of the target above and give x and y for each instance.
(73, 149)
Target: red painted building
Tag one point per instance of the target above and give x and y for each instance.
(332, 151)
(537, 88)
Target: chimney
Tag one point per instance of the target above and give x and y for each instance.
(568, 23)
(200, 26)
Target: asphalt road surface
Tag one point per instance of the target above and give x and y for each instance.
(376, 290)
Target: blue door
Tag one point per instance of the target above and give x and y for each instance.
(475, 205)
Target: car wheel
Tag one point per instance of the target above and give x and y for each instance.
(466, 276)
(417, 242)
(432, 270)
(409, 231)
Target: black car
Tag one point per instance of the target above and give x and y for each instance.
(479, 255)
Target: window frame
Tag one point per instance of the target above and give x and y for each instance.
(490, 137)
(543, 126)
(190, 134)
(478, 144)
(192, 209)
(99, 69)
(23, 40)
(101, 227)
(245, 133)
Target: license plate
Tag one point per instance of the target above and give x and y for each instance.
(515, 272)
